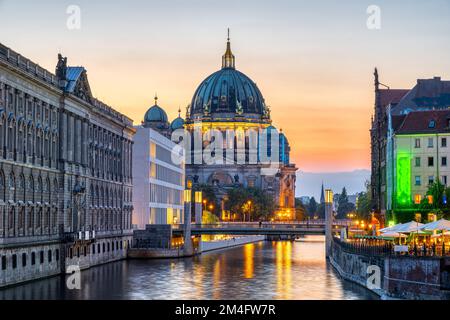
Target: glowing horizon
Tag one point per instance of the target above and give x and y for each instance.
(312, 62)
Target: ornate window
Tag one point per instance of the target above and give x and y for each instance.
(12, 181)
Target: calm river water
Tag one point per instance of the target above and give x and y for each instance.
(265, 270)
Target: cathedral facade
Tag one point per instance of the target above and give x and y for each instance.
(229, 102)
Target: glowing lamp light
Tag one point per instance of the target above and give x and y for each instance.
(391, 223)
(198, 197)
(430, 199)
(328, 196)
(187, 195)
(417, 198)
(189, 184)
(444, 199)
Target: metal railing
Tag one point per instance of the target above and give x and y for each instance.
(379, 247)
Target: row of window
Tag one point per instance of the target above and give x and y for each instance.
(161, 194)
(418, 180)
(98, 248)
(430, 161)
(165, 174)
(24, 105)
(24, 258)
(417, 143)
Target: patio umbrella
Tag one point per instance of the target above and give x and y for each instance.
(442, 225)
(445, 234)
(409, 227)
(392, 234)
(392, 228)
(437, 225)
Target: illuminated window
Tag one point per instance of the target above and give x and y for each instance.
(152, 170)
(417, 198)
(152, 150)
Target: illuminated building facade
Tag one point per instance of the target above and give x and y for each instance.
(158, 181)
(418, 151)
(427, 94)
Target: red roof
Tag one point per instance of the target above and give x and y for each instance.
(388, 96)
(421, 122)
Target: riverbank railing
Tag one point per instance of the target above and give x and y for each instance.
(380, 247)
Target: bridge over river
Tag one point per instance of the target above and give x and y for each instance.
(316, 227)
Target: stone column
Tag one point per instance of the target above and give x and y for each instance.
(198, 207)
(328, 222)
(188, 248)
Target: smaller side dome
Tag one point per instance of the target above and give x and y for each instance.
(155, 113)
(178, 123)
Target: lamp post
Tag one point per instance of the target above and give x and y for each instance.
(328, 221)
(78, 194)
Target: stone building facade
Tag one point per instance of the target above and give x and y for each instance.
(65, 172)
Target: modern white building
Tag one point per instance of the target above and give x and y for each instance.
(158, 183)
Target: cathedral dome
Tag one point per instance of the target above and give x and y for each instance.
(177, 123)
(155, 113)
(228, 93)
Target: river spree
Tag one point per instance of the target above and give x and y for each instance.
(264, 270)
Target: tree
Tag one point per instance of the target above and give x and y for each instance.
(209, 195)
(344, 206)
(364, 205)
(312, 207)
(321, 211)
(250, 203)
(300, 210)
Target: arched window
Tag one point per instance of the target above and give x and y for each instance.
(55, 185)
(39, 185)
(12, 181)
(30, 183)
(2, 186)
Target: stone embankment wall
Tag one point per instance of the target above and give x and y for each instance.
(401, 277)
(354, 267)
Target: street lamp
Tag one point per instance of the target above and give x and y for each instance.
(78, 193)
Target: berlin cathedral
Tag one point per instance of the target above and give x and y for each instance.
(229, 100)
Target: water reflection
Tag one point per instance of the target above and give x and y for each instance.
(265, 270)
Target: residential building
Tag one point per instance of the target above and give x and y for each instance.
(417, 155)
(427, 94)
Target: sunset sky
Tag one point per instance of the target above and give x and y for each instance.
(312, 60)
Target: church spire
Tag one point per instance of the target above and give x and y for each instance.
(228, 57)
(322, 195)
